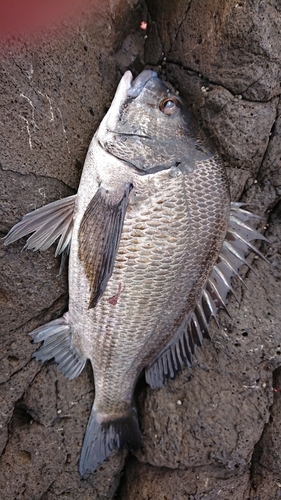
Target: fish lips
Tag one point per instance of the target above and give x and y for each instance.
(127, 88)
(140, 82)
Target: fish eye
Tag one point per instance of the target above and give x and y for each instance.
(170, 106)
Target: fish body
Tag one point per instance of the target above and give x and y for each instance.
(153, 243)
(158, 264)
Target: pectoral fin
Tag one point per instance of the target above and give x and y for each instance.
(99, 237)
(47, 224)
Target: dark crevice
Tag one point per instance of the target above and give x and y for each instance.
(21, 417)
(250, 85)
(271, 135)
(207, 80)
(181, 23)
(51, 312)
(129, 459)
(152, 9)
(217, 84)
(259, 465)
(45, 494)
(38, 176)
(16, 372)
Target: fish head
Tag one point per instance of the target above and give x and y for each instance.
(150, 128)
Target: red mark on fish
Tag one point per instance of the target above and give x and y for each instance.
(143, 25)
(113, 300)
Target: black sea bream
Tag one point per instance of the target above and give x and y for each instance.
(153, 242)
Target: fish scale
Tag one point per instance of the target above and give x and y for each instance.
(153, 243)
(140, 306)
(146, 304)
(201, 234)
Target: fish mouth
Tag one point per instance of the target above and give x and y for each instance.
(129, 134)
(139, 82)
(121, 95)
(127, 88)
(132, 91)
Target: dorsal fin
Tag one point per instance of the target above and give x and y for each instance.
(195, 325)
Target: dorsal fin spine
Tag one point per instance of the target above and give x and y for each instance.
(195, 326)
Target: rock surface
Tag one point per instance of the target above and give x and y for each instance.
(213, 432)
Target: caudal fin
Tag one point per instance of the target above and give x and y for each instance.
(103, 436)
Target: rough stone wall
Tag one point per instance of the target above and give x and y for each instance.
(213, 432)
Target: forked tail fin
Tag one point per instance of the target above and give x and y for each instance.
(105, 435)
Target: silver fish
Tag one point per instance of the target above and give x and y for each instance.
(153, 242)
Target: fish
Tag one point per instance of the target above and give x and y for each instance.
(153, 242)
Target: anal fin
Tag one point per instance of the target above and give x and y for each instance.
(57, 345)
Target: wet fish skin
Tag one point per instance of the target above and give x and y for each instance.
(146, 230)
(149, 281)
